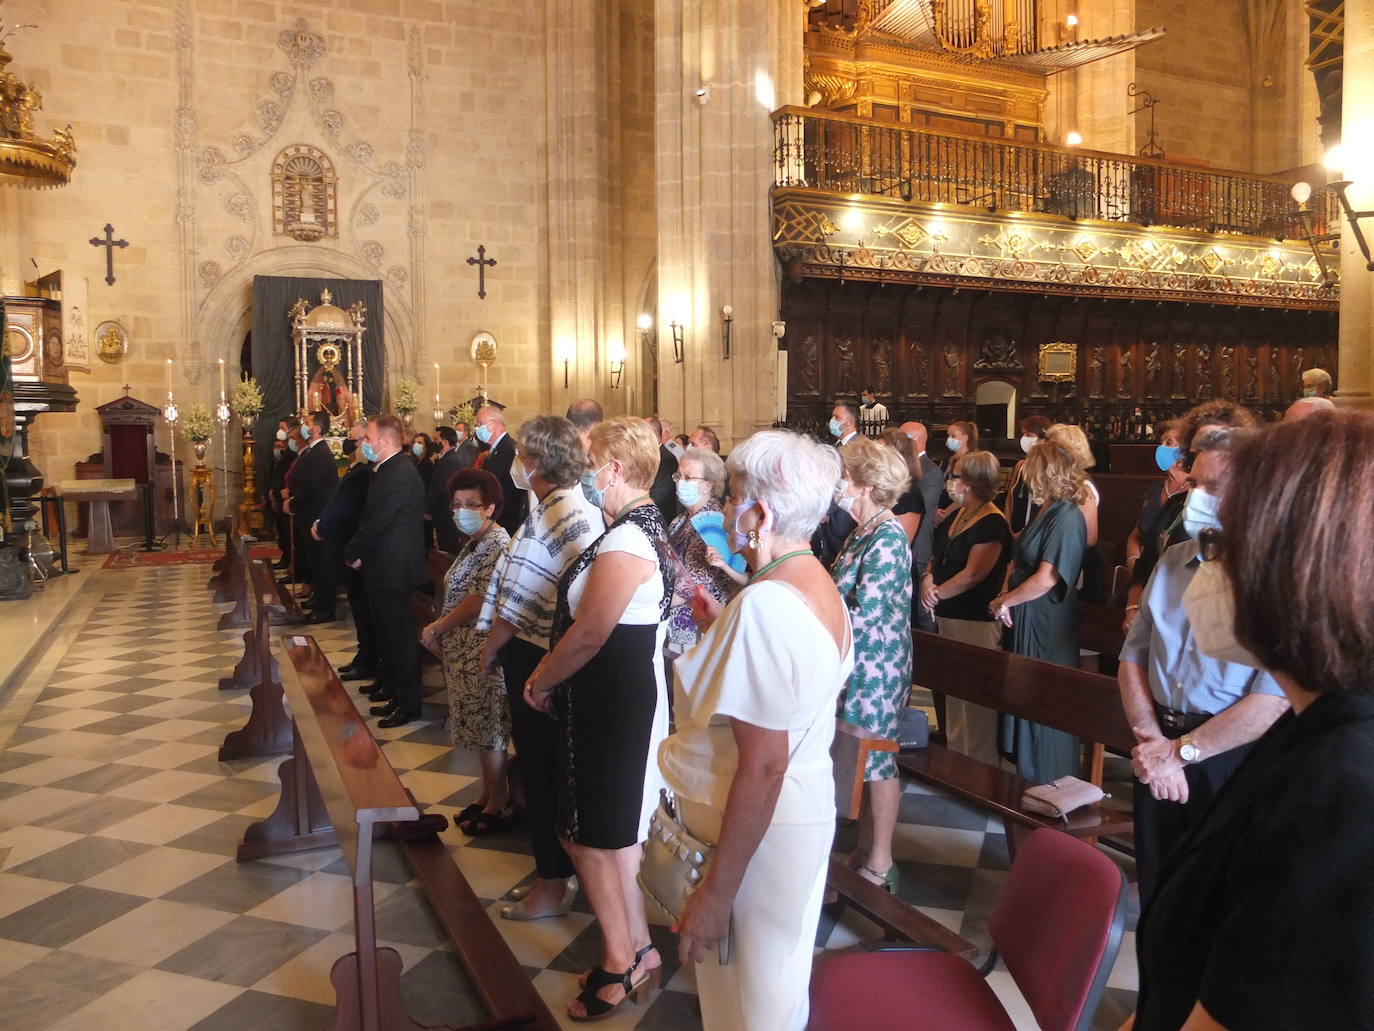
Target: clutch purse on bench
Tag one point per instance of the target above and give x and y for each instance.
(674, 863)
(1060, 797)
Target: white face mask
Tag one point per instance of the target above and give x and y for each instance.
(1028, 442)
(1210, 604)
(518, 475)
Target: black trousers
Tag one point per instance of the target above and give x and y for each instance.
(398, 638)
(536, 743)
(369, 649)
(282, 522)
(325, 565)
(1160, 826)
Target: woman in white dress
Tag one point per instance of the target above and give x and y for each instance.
(749, 764)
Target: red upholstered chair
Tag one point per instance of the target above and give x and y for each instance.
(1057, 926)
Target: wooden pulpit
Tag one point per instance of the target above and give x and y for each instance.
(129, 430)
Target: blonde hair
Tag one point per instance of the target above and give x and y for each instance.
(871, 464)
(1052, 474)
(1075, 441)
(630, 441)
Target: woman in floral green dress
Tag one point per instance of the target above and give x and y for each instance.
(873, 575)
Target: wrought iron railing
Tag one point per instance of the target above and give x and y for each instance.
(845, 154)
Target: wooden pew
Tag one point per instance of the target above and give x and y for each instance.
(428, 603)
(1084, 704)
(339, 788)
(268, 730)
(898, 919)
(1099, 630)
(237, 589)
(222, 565)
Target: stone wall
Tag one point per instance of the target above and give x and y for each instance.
(432, 115)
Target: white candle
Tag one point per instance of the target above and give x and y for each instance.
(436, 383)
(221, 379)
(169, 377)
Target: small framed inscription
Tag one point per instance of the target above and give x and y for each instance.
(1058, 362)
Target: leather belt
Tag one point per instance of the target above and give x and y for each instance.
(1180, 722)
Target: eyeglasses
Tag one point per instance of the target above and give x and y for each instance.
(679, 478)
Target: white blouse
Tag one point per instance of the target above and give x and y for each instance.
(768, 661)
(645, 604)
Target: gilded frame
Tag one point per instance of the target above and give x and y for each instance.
(1058, 362)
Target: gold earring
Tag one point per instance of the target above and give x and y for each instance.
(754, 539)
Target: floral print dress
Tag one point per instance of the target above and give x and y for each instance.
(873, 575)
(479, 714)
(688, 545)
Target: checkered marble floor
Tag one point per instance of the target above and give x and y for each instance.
(121, 905)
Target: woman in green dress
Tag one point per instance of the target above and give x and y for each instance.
(1041, 603)
(873, 575)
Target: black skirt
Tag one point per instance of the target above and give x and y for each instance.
(607, 710)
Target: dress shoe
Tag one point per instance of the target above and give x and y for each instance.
(399, 718)
(281, 563)
(358, 673)
(320, 617)
(388, 708)
(378, 692)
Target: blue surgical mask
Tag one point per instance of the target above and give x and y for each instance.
(469, 520)
(369, 452)
(834, 427)
(418, 449)
(305, 431)
(484, 433)
(951, 443)
(594, 494)
(1201, 512)
(292, 445)
(1166, 457)
(688, 492)
(1309, 392)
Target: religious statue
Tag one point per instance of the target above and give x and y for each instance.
(1274, 391)
(1126, 385)
(918, 366)
(1204, 370)
(844, 373)
(1251, 374)
(882, 364)
(997, 354)
(1297, 368)
(1096, 361)
(1228, 372)
(809, 367)
(328, 391)
(1180, 372)
(952, 375)
(1152, 369)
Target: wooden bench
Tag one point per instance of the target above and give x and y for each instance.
(1087, 705)
(1099, 630)
(339, 788)
(268, 730)
(223, 564)
(237, 588)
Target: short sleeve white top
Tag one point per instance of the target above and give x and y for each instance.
(769, 661)
(644, 607)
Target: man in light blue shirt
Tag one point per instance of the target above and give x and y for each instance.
(1195, 718)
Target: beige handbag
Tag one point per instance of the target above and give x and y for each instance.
(1060, 797)
(674, 864)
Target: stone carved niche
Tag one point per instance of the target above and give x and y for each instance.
(304, 195)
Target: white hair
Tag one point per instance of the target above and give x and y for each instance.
(793, 475)
(1316, 404)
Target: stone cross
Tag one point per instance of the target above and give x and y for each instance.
(109, 243)
(481, 261)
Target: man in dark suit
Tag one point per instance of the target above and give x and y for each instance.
(930, 484)
(439, 502)
(388, 549)
(838, 524)
(312, 482)
(491, 431)
(664, 488)
(282, 460)
(335, 528)
(467, 445)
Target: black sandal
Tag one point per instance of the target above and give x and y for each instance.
(651, 978)
(598, 1008)
(483, 822)
(468, 813)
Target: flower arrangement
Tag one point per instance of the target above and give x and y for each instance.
(462, 413)
(405, 395)
(198, 424)
(246, 398)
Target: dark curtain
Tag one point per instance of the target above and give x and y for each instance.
(272, 357)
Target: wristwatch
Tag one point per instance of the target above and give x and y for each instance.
(1187, 751)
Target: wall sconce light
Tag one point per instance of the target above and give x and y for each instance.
(1073, 139)
(676, 327)
(616, 353)
(1353, 217)
(704, 95)
(1301, 192)
(727, 324)
(565, 355)
(779, 330)
(645, 325)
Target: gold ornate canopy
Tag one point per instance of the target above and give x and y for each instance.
(27, 159)
(334, 338)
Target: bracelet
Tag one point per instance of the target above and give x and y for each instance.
(1132, 608)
